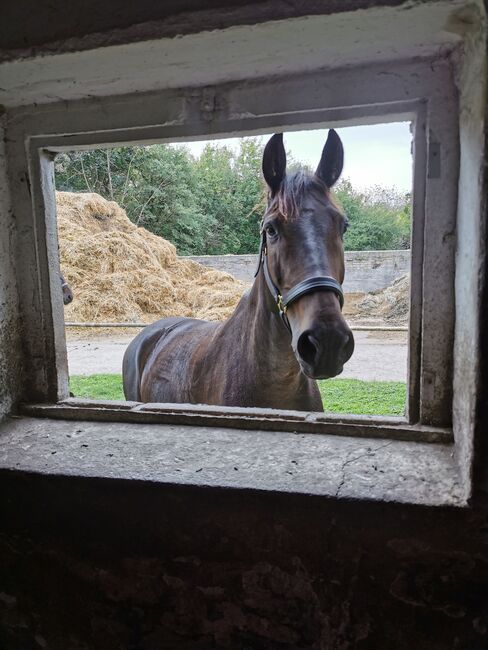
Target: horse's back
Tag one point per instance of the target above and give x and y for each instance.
(156, 356)
(136, 354)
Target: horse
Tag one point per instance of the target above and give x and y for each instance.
(66, 289)
(286, 332)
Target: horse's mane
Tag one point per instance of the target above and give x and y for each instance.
(294, 187)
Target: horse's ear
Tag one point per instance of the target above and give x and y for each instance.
(274, 162)
(332, 160)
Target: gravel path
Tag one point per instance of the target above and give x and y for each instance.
(378, 356)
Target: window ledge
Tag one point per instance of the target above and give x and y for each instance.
(234, 417)
(331, 466)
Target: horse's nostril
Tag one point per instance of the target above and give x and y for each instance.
(308, 347)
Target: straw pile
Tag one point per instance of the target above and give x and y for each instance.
(390, 305)
(119, 272)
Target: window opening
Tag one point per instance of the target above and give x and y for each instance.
(170, 230)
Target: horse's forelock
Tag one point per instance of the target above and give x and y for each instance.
(289, 198)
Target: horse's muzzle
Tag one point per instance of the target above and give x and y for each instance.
(67, 297)
(322, 352)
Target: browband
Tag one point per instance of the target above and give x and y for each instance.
(321, 282)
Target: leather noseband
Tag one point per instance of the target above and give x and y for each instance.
(321, 282)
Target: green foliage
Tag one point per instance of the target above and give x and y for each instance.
(379, 219)
(251, 194)
(338, 395)
(210, 205)
(230, 188)
(215, 186)
(155, 185)
(213, 204)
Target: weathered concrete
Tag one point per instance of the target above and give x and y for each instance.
(10, 355)
(365, 270)
(65, 26)
(471, 233)
(236, 53)
(385, 470)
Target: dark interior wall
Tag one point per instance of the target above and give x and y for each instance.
(481, 437)
(94, 564)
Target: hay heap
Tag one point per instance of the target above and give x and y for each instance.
(390, 305)
(120, 272)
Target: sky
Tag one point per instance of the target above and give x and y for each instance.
(374, 154)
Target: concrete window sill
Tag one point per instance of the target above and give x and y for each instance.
(330, 466)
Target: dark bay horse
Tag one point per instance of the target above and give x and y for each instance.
(286, 332)
(66, 289)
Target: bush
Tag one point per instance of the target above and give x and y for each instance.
(379, 219)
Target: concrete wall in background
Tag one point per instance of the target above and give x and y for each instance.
(365, 270)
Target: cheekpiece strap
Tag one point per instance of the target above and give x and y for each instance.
(321, 282)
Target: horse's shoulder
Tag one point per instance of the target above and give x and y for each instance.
(179, 332)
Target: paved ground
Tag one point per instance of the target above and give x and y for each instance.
(378, 356)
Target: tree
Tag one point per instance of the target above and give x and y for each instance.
(230, 189)
(213, 204)
(251, 193)
(155, 186)
(216, 197)
(379, 219)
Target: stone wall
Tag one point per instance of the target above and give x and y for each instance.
(9, 331)
(89, 564)
(365, 270)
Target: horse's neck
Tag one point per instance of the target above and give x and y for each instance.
(258, 328)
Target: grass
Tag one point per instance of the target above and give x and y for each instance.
(97, 386)
(363, 397)
(338, 395)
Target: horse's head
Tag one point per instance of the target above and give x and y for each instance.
(303, 257)
(67, 292)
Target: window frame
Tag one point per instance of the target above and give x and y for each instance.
(423, 92)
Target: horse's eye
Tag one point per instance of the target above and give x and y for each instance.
(346, 226)
(271, 230)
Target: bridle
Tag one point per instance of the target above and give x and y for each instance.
(321, 282)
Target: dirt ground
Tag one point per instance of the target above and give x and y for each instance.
(378, 356)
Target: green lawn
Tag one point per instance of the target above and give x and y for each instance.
(363, 397)
(338, 395)
(97, 386)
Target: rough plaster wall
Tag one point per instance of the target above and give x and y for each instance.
(239, 53)
(480, 449)
(471, 81)
(365, 270)
(9, 323)
(30, 27)
(90, 564)
(480, 474)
